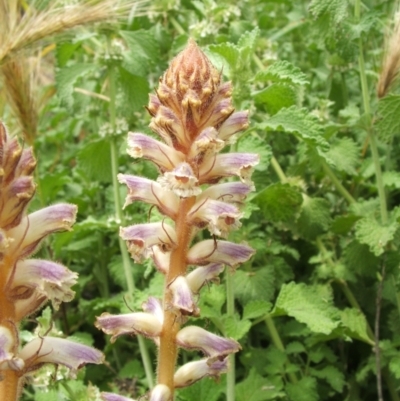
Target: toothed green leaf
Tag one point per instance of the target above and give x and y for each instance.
(300, 123)
(370, 232)
(311, 305)
(283, 71)
(388, 124)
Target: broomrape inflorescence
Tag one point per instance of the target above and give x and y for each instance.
(26, 284)
(192, 113)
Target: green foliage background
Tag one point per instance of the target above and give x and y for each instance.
(306, 305)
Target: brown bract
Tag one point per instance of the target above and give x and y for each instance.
(192, 91)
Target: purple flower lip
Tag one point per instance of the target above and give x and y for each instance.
(228, 165)
(142, 237)
(192, 372)
(143, 323)
(58, 351)
(194, 337)
(236, 122)
(34, 227)
(143, 189)
(182, 297)
(230, 192)
(140, 145)
(221, 217)
(46, 278)
(114, 397)
(225, 252)
(197, 278)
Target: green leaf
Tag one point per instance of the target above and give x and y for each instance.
(143, 51)
(50, 395)
(343, 224)
(66, 78)
(95, 160)
(311, 305)
(283, 71)
(255, 309)
(279, 202)
(394, 366)
(356, 325)
(344, 153)
(257, 388)
(333, 376)
(135, 90)
(255, 285)
(370, 232)
(359, 259)
(276, 97)
(212, 301)
(247, 41)
(391, 179)
(228, 51)
(208, 390)
(388, 124)
(235, 328)
(303, 390)
(314, 217)
(336, 9)
(300, 123)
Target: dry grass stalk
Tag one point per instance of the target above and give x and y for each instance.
(391, 63)
(22, 28)
(17, 80)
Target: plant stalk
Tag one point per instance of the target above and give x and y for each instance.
(168, 351)
(120, 219)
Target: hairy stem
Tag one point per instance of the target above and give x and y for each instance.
(168, 348)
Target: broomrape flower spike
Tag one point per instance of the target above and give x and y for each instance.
(193, 116)
(26, 284)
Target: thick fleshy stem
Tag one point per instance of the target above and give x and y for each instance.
(168, 348)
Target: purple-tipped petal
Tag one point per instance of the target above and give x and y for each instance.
(165, 157)
(220, 217)
(228, 165)
(142, 237)
(34, 227)
(182, 297)
(230, 192)
(225, 252)
(194, 337)
(153, 306)
(197, 278)
(143, 189)
(15, 198)
(48, 278)
(194, 371)
(160, 392)
(58, 351)
(114, 397)
(181, 180)
(129, 323)
(236, 122)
